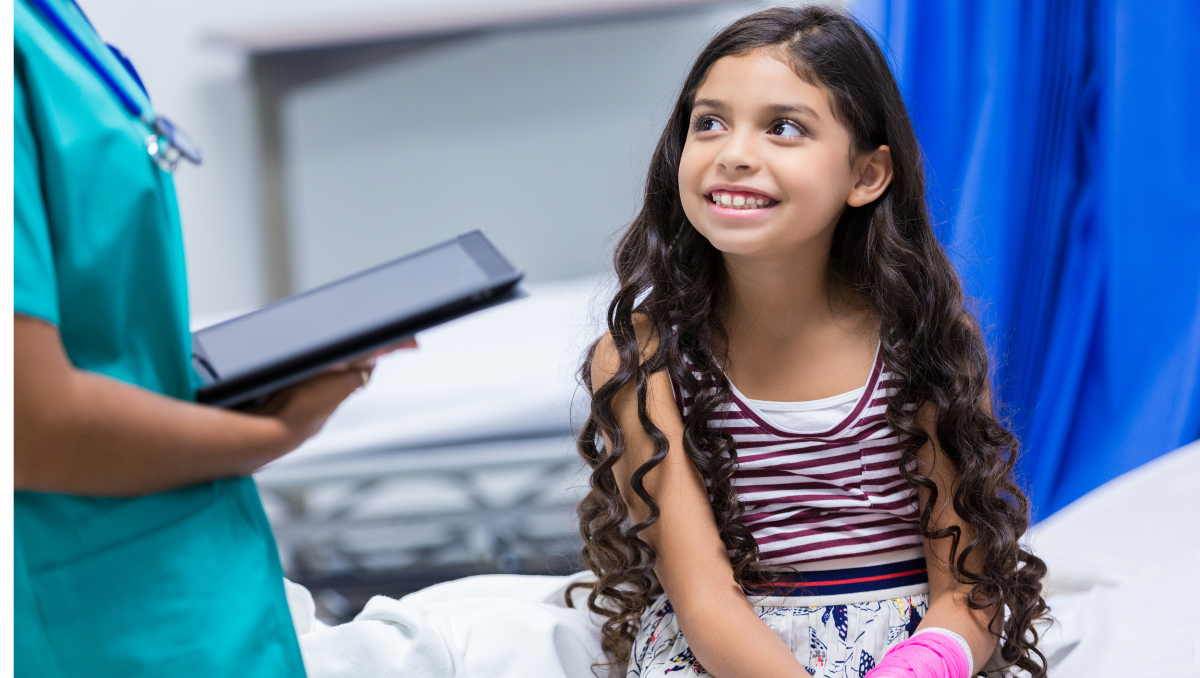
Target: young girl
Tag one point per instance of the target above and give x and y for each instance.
(796, 470)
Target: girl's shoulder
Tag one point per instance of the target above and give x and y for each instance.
(605, 358)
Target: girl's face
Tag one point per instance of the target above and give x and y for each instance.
(766, 170)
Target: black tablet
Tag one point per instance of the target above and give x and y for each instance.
(245, 359)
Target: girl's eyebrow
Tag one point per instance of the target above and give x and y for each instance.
(801, 109)
(771, 109)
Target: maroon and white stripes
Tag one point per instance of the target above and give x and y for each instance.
(812, 497)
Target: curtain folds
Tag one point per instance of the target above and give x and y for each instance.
(1062, 181)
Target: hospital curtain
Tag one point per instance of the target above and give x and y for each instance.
(1064, 180)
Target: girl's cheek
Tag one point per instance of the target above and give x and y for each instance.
(691, 173)
(690, 168)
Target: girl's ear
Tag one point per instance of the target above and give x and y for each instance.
(874, 171)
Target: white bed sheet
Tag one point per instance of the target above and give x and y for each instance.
(1124, 560)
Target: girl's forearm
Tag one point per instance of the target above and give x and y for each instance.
(730, 640)
(948, 610)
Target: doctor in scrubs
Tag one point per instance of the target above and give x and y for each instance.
(141, 547)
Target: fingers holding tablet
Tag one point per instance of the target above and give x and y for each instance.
(303, 408)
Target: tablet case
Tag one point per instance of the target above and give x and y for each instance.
(250, 388)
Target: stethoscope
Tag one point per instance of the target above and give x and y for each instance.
(166, 143)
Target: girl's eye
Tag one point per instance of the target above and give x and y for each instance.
(786, 128)
(709, 125)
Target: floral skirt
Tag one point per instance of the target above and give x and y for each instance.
(831, 641)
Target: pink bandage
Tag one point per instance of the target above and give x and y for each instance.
(932, 654)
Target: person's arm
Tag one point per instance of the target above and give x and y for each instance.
(948, 598)
(77, 432)
(722, 629)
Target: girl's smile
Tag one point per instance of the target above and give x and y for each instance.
(730, 201)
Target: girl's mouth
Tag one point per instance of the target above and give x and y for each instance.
(740, 200)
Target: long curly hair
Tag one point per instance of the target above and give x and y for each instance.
(886, 253)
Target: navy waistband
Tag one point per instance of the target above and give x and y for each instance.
(836, 582)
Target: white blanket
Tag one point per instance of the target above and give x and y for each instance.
(495, 626)
(1124, 559)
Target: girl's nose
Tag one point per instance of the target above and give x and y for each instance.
(738, 154)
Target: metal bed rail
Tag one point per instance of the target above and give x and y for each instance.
(396, 520)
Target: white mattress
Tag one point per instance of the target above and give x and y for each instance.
(509, 371)
(1122, 584)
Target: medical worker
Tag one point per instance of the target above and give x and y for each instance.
(141, 547)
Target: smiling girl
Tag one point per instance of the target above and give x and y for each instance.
(795, 465)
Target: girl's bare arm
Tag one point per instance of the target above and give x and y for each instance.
(722, 629)
(78, 432)
(948, 598)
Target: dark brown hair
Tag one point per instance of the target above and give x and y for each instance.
(887, 254)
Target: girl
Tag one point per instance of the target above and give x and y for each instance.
(795, 464)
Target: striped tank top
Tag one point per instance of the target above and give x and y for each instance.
(824, 499)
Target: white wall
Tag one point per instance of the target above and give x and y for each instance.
(539, 136)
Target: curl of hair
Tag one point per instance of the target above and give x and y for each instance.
(886, 252)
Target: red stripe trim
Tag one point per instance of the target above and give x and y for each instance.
(856, 580)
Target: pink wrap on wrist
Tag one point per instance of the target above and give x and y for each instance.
(925, 655)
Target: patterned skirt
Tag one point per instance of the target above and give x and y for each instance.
(837, 622)
(844, 641)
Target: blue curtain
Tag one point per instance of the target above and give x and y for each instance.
(1065, 183)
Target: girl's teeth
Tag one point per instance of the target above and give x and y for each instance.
(738, 201)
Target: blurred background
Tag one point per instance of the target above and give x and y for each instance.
(338, 135)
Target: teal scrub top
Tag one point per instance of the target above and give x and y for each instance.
(183, 583)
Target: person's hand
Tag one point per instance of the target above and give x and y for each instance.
(304, 408)
(368, 361)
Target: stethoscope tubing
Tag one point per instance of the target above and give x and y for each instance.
(126, 100)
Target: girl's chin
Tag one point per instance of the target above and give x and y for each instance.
(744, 241)
(767, 241)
